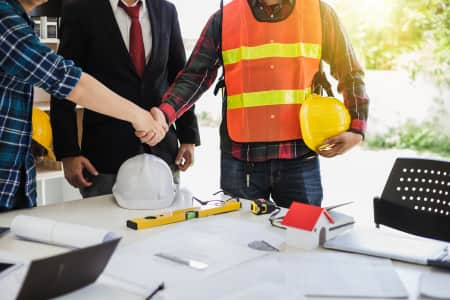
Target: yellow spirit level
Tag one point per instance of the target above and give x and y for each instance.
(182, 215)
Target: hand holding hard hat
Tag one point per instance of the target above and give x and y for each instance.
(324, 123)
(146, 182)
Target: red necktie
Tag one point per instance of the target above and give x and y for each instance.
(137, 52)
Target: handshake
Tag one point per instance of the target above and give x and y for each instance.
(151, 127)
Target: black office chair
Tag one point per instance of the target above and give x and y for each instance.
(416, 198)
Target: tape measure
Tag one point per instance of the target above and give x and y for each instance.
(262, 206)
(182, 215)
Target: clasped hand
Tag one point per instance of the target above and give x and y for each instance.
(152, 127)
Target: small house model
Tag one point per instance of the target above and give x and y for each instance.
(307, 225)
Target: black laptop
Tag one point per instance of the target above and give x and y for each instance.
(57, 275)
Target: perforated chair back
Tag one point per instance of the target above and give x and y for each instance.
(416, 198)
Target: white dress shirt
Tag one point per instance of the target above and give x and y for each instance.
(124, 22)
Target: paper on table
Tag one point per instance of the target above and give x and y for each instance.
(257, 279)
(435, 284)
(58, 233)
(342, 275)
(395, 246)
(237, 231)
(137, 263)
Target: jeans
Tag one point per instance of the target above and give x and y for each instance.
(102, 184)
(285, 180)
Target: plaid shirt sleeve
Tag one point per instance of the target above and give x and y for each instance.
(339, 54)
(26, 59)
(198, 75)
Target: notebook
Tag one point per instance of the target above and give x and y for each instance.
(397, 247)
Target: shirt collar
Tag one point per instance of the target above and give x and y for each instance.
(115, 5)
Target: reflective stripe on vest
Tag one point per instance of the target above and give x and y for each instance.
(269, 67)
(271, 50)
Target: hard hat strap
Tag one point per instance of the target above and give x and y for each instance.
(320, 83)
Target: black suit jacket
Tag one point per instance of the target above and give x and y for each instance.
(91, 37)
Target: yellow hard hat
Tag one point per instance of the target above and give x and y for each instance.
(42, 131)
(322, 118)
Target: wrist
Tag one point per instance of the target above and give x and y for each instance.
(356, 131)
(138, 117)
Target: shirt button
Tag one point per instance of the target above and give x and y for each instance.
(272, 16)
(272, 41)
(272, 117)
(272, 67)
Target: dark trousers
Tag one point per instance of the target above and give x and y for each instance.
(285, 180)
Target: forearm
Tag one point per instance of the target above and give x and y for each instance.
(93, 95)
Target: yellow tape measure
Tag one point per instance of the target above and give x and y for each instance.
(182, 215)
(262, 206)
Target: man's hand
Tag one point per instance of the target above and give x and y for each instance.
(185, 157)
(340, 144)
(158, 130)
(73, 170)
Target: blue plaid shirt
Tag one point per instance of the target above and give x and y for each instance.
(24, 63)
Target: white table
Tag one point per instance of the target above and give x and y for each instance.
(102, 212)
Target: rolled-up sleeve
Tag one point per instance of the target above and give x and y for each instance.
(25, 58)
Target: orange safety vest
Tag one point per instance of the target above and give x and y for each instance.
(269, 68)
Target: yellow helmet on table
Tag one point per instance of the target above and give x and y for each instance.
(42, 131)
(322, 118)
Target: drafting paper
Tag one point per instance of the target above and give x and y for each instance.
(324, 274)
(58, 233)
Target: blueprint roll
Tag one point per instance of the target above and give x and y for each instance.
(59, 233)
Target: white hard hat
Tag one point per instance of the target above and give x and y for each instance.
(146, 182)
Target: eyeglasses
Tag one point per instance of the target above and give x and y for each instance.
(274, 220)
(214, 202)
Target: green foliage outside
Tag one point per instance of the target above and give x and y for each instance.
(390, 34)
(424, 137)
(412, 35)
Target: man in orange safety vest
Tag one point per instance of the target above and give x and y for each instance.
(270, 51)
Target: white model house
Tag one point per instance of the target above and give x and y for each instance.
(307, 225)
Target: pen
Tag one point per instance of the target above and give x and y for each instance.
(158, 289)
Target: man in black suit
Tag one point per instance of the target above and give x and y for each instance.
(135, 48)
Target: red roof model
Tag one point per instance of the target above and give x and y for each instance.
(305, 216)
